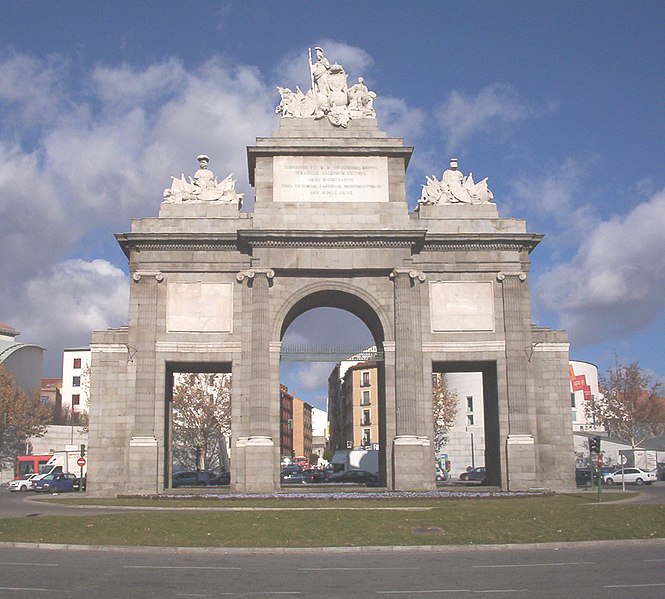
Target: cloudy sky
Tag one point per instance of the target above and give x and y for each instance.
(560, 104)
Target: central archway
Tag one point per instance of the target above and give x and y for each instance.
(359, 304)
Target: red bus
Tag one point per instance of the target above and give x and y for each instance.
(29, 464)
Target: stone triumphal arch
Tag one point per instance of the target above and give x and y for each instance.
(443, 287)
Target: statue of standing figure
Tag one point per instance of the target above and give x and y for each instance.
(455, 188)
(329, 96)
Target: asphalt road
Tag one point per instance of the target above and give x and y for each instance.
(582, 571)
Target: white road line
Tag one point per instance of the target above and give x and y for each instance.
(634, 586)
(536, 565)
(34, 590)
(361, 569)
(414, 592)
(183, 567)
(29, 564)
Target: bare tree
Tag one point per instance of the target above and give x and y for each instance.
(444, 406)
(201, 417)
(21, 416)
(630, 407)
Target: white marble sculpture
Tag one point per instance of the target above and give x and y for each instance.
(204, 187)
(329, 96)
(455, 188)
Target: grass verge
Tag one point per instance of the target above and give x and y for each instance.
(439, 522)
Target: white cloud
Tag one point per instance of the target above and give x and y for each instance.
(314, 376)
(74, 298)
(554, 200)
(463, 116)
(399, 119)
(615, 285)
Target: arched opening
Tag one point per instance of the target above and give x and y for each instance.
(198, 424)
(470, 451)
(332, 361)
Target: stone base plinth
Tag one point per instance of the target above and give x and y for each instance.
(256, 473)
(143, 466)
(522, 462)
(411, 471)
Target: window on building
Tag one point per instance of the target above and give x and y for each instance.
(572, 400)
(365, 399)
(76, 381)
(367, 437)
(366, 418)
(574, 416)
(469, 419)
(76, 400)
(77, 363)
(469, 403)
(365, 379)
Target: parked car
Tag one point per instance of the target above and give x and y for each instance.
(192, 478)
(223, 478)
(441, 474)
(290, 477)
(475, 474)
(59, 482)
(24, 483)
(360, 477)
(630, 476)
(582, 477)
(318, 476)
(80, 483)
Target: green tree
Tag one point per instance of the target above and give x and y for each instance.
(444, 406)
(201, 417)
(629, 407)
(21, 416)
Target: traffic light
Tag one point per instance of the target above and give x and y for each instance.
(82, 450)
(594, 444)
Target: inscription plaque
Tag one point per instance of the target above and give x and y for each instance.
(199, 307)
(330, 179)
(461, 306)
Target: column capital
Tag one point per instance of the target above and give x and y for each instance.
(250, 273)
(148, 274)
(501, 276)
(413, 274)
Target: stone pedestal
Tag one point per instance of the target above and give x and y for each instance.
(521, 458)
(143, 465)
(260, 455)
(413, 464)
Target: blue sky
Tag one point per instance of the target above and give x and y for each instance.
(560, 104)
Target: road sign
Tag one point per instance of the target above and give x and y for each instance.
(81, 462)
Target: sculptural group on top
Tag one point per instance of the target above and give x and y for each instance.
(329, 97)
(455, 188)
(204, 187)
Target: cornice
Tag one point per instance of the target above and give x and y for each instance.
(332, 239)
(481, 241)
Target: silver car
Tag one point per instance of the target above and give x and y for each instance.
(630, 476)
(22, 484)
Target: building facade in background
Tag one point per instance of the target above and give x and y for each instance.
(22, 360)
(76, 380)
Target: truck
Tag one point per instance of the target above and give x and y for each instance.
(65, 461)
(356, 459)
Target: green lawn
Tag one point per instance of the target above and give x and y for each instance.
(319, 523)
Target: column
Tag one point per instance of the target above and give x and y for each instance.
(521, 450)
(143, 445)
(258, 447)
(412, 461)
